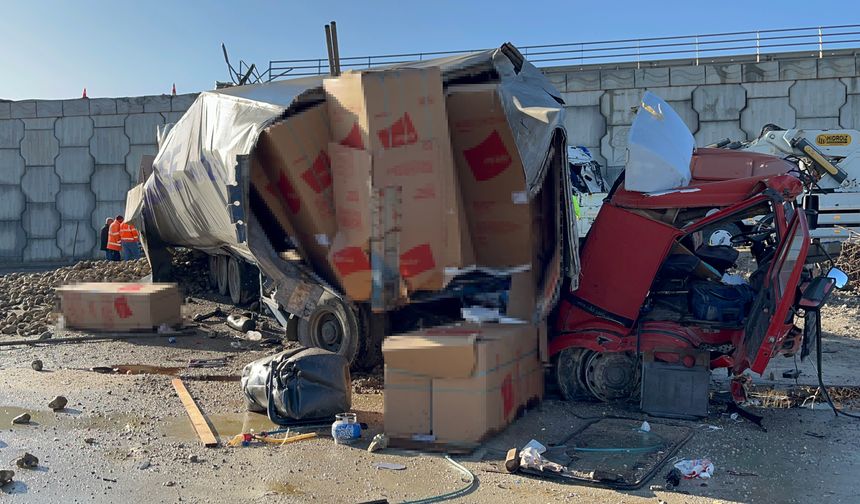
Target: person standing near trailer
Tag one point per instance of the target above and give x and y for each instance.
(114, 242)
(104, 236)
(130, 240)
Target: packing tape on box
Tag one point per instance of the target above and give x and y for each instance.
(520, 198)
(498, 367)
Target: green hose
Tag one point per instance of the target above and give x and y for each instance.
(450, 495)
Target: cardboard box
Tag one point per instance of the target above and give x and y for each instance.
(398, 117)
(112, 306)
(379, 110)
(479, 376)
(349, 254)
(492, 180)
(293, 156)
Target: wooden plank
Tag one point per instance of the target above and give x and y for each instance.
(198, 421)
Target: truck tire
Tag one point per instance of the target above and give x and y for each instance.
(213, 272)
(332, 326)
(570, 374)
(221, 275)
(242, 281)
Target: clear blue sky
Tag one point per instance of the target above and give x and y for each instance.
(52, 49)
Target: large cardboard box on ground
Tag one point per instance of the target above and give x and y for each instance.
(492, 180)
(398, 118)
(112, 306)
(296, 181)
(459, 383)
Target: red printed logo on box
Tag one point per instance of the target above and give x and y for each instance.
(353, 138)
(416, 260)
(318, 176)
(401, 133)
(489, 158)
(120, 305)
(350, 260)
(130, 288)
(289, 193)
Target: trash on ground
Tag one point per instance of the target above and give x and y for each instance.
(695, 468)
(345, 429)
(536, 445)
(645, 427)
(247, 438)
(198, 421)
(241, 323)
(379, 442)
(36, 365)
(298, 385)
(531, 458)
(391, 466)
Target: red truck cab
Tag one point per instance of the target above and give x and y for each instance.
(644, 261)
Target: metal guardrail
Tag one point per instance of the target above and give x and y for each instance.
(638, 50)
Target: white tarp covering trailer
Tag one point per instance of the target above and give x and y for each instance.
(198, 196)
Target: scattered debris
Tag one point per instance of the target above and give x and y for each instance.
(695, 468)
(198, 421)
(241, 323)
(391, 466)
(36, 365)
(814, 434)
(732, 472)
(254, 335)
(246, 438)
(193, 459)
(27, 461)
(217, 312)
(646, 427)
(23, 418)
(144, 464)
(58, 403)
(207, 363)
(379, 442)
(512, 460)
(46, 335)
(90, 441)
(6, 477)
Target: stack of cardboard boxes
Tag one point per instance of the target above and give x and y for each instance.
(451, 157)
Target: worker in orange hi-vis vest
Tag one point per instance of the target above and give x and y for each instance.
(130, 241)
(114, 243)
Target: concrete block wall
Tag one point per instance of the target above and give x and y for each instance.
(66, 165)
(717, 100)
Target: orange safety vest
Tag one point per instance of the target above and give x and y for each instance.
(128, 233)
(114, 240)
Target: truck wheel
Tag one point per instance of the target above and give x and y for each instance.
(221, 275)
(570, 374)
(332, 326)
(611, 376)
(242, 281)
(213, 272)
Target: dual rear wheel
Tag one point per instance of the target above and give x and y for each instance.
(584, 374)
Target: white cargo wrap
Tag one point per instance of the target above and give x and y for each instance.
(659, 148)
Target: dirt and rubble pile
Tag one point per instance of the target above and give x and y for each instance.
(27, 300)
(849, 261)
(191, 271)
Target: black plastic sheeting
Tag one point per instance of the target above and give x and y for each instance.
(298, 385)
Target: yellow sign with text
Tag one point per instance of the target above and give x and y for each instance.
(833, 139)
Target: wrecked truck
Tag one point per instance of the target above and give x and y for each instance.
(212, 188)
(658, 306)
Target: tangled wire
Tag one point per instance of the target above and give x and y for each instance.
(849, 259)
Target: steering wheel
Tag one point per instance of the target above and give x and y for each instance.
(756, 235)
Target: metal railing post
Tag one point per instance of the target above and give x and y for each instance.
(697, 50)
(820, 44)
(757, 47)
(637, 54)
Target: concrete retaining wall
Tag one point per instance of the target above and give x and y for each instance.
(66, 165)
(717, 100)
